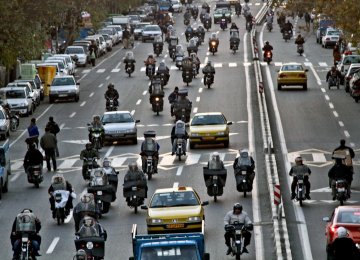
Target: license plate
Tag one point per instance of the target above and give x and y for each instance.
(62, 95)
(118, 135)
(173, 226)
(341, 189)
(215, 177)
(99, 192)
(208, 138)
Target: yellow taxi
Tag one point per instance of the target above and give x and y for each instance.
(209, 128)
(292, 74)
(175, 210)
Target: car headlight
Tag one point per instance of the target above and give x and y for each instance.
(3, 127)
(129, 130)
(194, 219)
(24, 104)
(156, 221)
(194, 134)
(220, 133)
(89, 245)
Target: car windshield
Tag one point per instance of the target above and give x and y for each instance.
(351, 217)
(351, 59)
(117, 118)
(140, 26)
(103, 31)
(15, 93)
(74, 51)
(63, 81)
(151, 28)
(60, 63)
(209, 120)
(174, 199)
(292, 68)
(184, 252)
(333, 33)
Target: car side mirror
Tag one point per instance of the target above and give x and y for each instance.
(306, 70)
(117, 172)
(77, 83)
(144, 207)
(326, 219)
(137, 121)
(204, 203)
(229, 123)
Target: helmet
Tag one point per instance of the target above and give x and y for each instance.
(298, 160)
(110, 86)
(176, 89)
(32, 146)
(333, 68)
(88, 221)
(244, 153)
(215, 156)
(87, 197)
(26, 211)
(133, 167)
(237, 206)
(341, 232)
(150, 55)
(88, 146)
(81, 254)
(233, 24)
(267, 43)
(208, 63)
(58, 178)
(162, 63)
(299, 35)
(106, 162)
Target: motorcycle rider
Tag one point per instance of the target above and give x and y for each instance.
(245, 161)
(207, 19)
(187, 15)
(343, 247)
(28, 218)
(215, 163)
(299, 40)
(33, 157)
(150, 61)
(164, 69)
(134, 174)
(89, 153)
(267, 47)
(186, 66)
(189, 32)
(58, 182)
(249, 19)
(234, 37)
(288, 27)
(172, 99)
(178, 131)
(86, 207)
(214, 38)
(269, 18)
(195, 59)
(237, 214)
(206, 7)
(339, 172)
(90, 227)
(193, 45)
(149, 145)
(234, 26)
(300, 169)
(97, 125)
(201, 33)
(237, 7)
(209, 69)
(334, 73)
(158, 42)
(112, 93)
(129, 60)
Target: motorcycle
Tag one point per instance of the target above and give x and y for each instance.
(243, 183)
(179, 147)
(164, 78)
(149, 166)
(134, 194)
(194, 70)
(14, 121)
(157, 50)
(157, 105)
(172, 51)
(209, 79)
(103, 193)
(89, 164)
(237, 229)
(286, 35)
(215, 181)
(129, 68)
(207, 25)
(300, 49)
(238, 12)
(110, 104)
(96, 138)
(150, 70)
(178, 62)
(61, 197)
(187, 76)
(94, 247)
(186, 22)
(188, 35)
(213, 47)
(26, 249)
(269, 26)
(234, 45)
(181, 114)
(341, 191)
(268, 57)
(223, 24)
(300, 189)
(334, 81)
(35, 175)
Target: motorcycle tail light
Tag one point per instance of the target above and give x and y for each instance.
(282, 76)
(339, 185)
(302, 75)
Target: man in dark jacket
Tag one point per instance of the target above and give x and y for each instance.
(343, 247)
(54, 129)
(32, 157)
(48, 142)
(339, 172)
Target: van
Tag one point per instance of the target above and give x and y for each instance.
(5, 169)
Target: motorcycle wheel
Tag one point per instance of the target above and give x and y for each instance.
(149, 176)
(301, 202)
(129, 74)
(215, 198)
(135, 209)
(238, 252)
(187, 83)
(244, 193)
(208, 85)
(213, 52)
(341, 202)
(36, 183)
(58, 216)
(179, 156)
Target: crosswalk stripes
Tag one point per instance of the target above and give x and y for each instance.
(115, 70)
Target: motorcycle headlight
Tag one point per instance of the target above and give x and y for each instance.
(156, 221)
(157, 99)
(213, 43)
(194, 219)
(238, 232)
(89, 245)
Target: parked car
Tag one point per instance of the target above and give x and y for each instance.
(35, 92)
(292, 74)
(69, 62)
(100, 43)
(331, 37)
(4, 124)
(19, 99)
(63, 69)
(177, 6)
(112, 33)
(354, 68)
(150, 32)
(119, 31)
(39, 85)
(108, 41)
(5, 169)
(346, 61)
(139, 27)
(64, 87)
(355, 87)
(78, 54)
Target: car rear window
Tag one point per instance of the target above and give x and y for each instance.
(15, 94)
(349, 217)
(63, 81)
(208, 120)
(151, 28)
(292, 67)
(74, 51)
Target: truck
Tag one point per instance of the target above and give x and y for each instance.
(169, 246)
(5, 169)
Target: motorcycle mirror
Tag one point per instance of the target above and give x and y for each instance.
(326, 219)
(144, 207)
(137, 121)
(229, 123)
(204, 203)
(117, 172)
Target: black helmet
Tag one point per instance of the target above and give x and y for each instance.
(110, 86)
(267, 42)
(88, 146)
(237, 206)
(176, 89)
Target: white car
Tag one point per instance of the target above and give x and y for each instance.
(139, 27)
(61, 63)
(19, 100)
(78, 54)
(69, 62)
(119, 31)
(150, 32)
(177, 6)
(108, 41)
(64, 87)
(35, 92)
(331, 37)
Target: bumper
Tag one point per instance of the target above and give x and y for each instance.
(20, 110)
(123, 137)
(183, 228)
(292, 82)
(149, 37)
(209, 139)
(63, 96)
(329, 43)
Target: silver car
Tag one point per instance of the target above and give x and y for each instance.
(4, 124)
(64, 87)
(120, 126)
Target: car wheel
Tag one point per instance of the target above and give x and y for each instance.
(6, 187)
(305, 86)
(356, 100)
(279, 87)
(192, 145)
(77, 98)
(226, 144)
(51, 100)
(135, 141)
(31, 110)
(8, 133)
(3, 137)
(143, 40)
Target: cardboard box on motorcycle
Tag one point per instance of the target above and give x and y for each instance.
(345, 152)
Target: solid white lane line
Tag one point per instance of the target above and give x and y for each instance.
(341, 123)
(91, 94)
(83, 103)
(138, 102)
(179, 170)
(346, 133)
(197, 99)
(107, 78)
(331, 105)
(72, 115)
(52, 245)
(335, 114)
(175, 185)
(102, 84)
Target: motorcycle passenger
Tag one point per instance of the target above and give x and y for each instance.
(288, 27)
(80, 255)
(88, 153)
(179, 131)
(237, 214)
(149, 145)
(33, 157)
(58, 182)
(91, 228)
(209, 69)
(112, 93)
(150, 61)
(300, 169)
(201, 32)
(134, 174)
(129, 60)
(348, 150)
(339, 172)
(343, 247)
(96, 125)
(186, 65)
(164, 69)
(214, 38)
(267, 48)
(188, 32)
(215, 163)
(158, 43)
(333, 74)
(193, 45)
(245, 161)
(86, 207)
(172, 99)
(179, 51)
(26, 222)
(234, 26)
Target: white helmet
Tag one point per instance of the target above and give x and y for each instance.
(341, 232)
